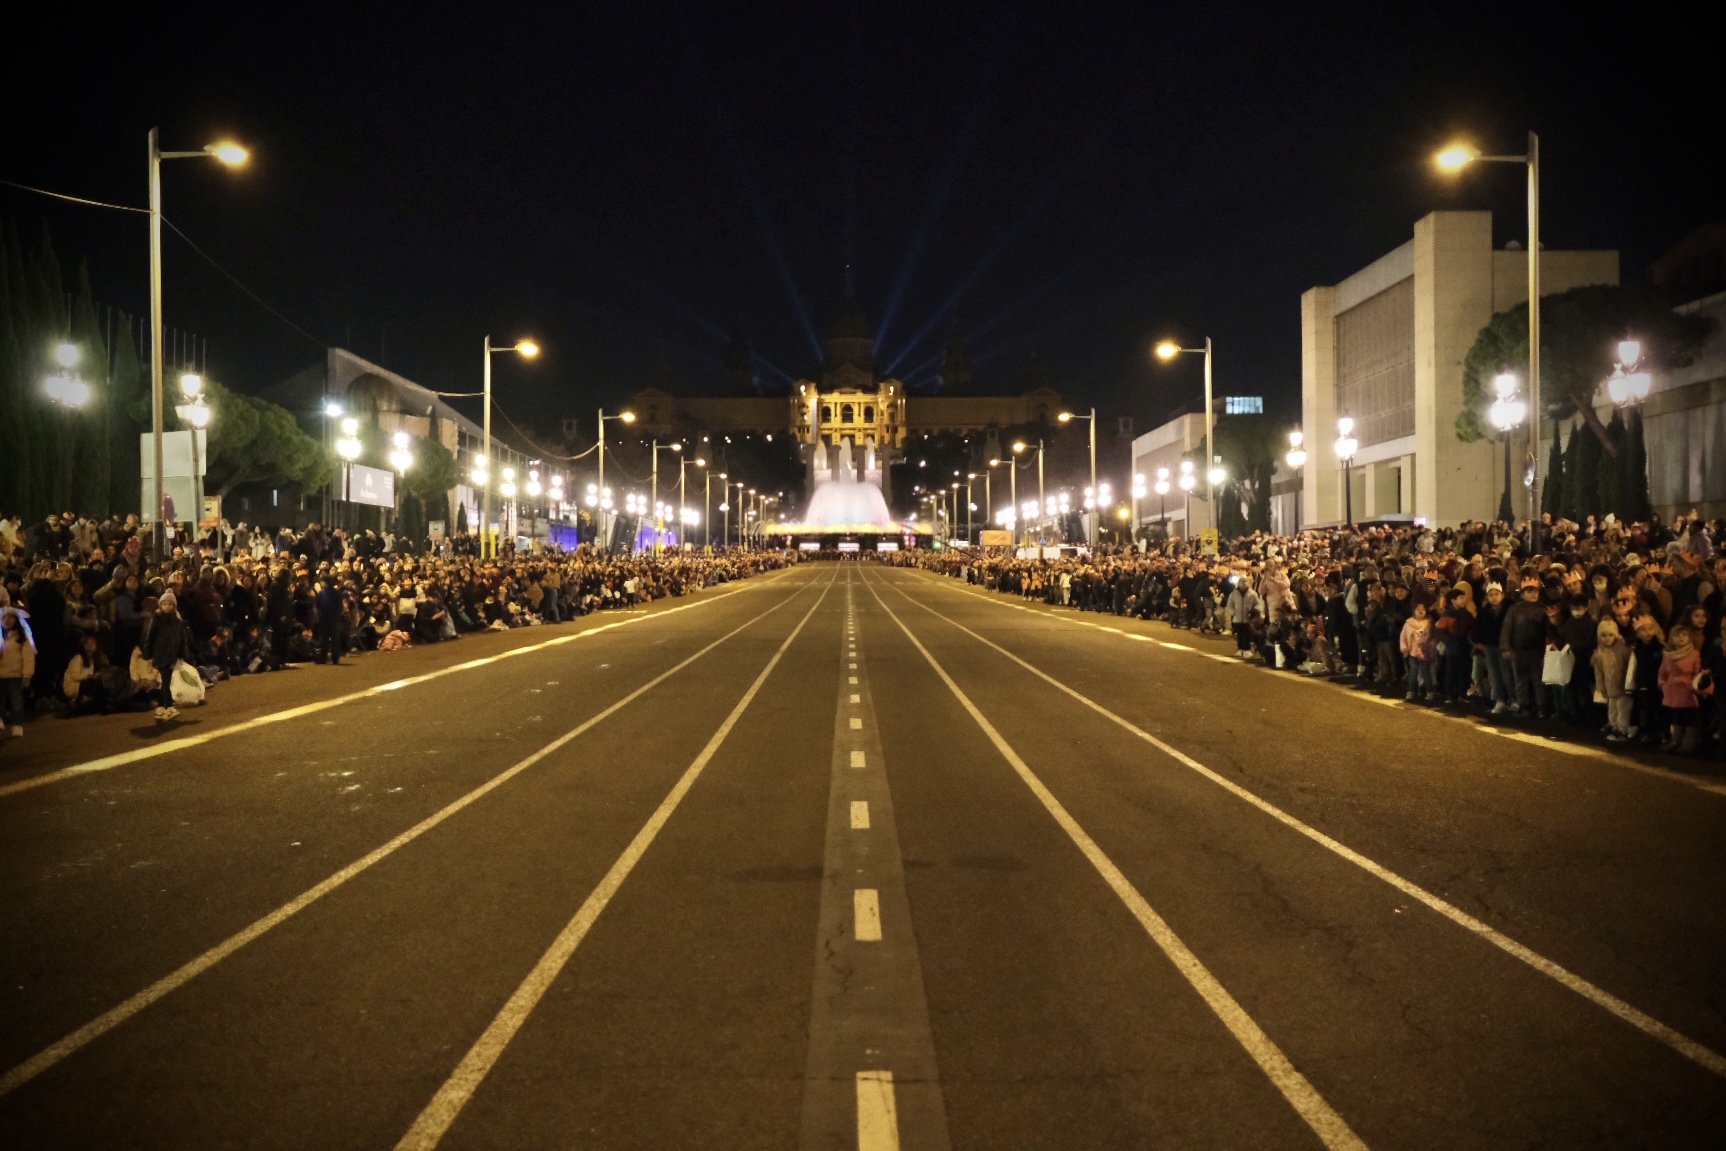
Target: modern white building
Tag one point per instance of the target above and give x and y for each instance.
(1386, 346)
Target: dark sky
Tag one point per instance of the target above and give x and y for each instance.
(629, 183)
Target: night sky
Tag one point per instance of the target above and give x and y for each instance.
(1060, 183)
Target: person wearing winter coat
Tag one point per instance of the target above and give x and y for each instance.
(1420, 652)
(1678, 667)
(1522, 641)
(1610, 663)
(1493, 680)
(166, 641)
(1648, 723)
(1243, 601)
(17, 663)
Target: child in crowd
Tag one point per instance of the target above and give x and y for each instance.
(1678, 667)
(1610, 664)
(1420, 652)
(17, 664)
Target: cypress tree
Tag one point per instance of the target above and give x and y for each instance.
(1584, 471)
(1552, 497)
(1636, 482)
(1609, 484)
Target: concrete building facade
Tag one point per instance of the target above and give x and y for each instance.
(1386, 347)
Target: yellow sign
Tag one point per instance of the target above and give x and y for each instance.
(996, 538)
(1208, 542)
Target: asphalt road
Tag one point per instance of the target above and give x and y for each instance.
(847, 856)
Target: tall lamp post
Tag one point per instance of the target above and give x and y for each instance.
(1162, 490)
(1066, 417)
(1168, 350)
(1297, 460)
(1019, 448)
(1506, 414)
(1346, 446)
(658, 510)
(527, 349)
(1138, 494)
(1454, 159)
(1013, 471)
(233, 156)
(603, 501)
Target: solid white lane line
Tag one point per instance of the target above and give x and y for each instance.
(857, 759)
(1312, 1107)
(866, 914)
(166, 747)
(859, 815)
(111, 1019)
(435, 1120)
(1689, 1048)
(877, 1119)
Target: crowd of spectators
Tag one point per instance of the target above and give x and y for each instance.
(1611, 631)
(79, 598)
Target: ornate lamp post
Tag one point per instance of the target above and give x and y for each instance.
(1346, 446)
(1188, 481)
(1297, 460)
(1162, 489)
(1506, 414)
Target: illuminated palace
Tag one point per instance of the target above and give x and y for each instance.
(851, 420)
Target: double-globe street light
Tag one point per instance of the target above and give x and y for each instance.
(1454, 159)
(195, 414)
(1506, 414)
(232, 155)
(658, 510)
(1346, 446)
(1297, 460)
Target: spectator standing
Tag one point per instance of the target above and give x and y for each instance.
(17, 663)
(1610, 664)
(1522, 642)
(1678, 667)
(1419, 652)
(167, 640)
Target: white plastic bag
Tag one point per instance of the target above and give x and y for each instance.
(185, 684)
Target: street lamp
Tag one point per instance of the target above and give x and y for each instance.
(1506, 413)
(1346, 446)
(1454, 159)
(401, 459)
(527, 349)
(658, 510)
(1019, 447)
(66, 387)
(1297, 460)
(195, 414)
(347, 447)
(1628, 386)
(1138, 494)
(623, 417)
(1162, 490)
(1168, 350)
(682, 519)
(1188, 482)
(1065, 417)
(232, 155)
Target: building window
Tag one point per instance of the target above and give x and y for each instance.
(847, 414)
(869, 415)
(826, 413)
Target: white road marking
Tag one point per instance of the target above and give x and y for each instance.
(1177, 646)
(855, 698)
(166, 747)
(102, 1024)
(1312, 1107)
(853, 678)
(859, 815)
(856, 724)
(857, 759)
(1689, 1048)
(866, 913)
(877, 1119)
(428, 1130)
(853, 667)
